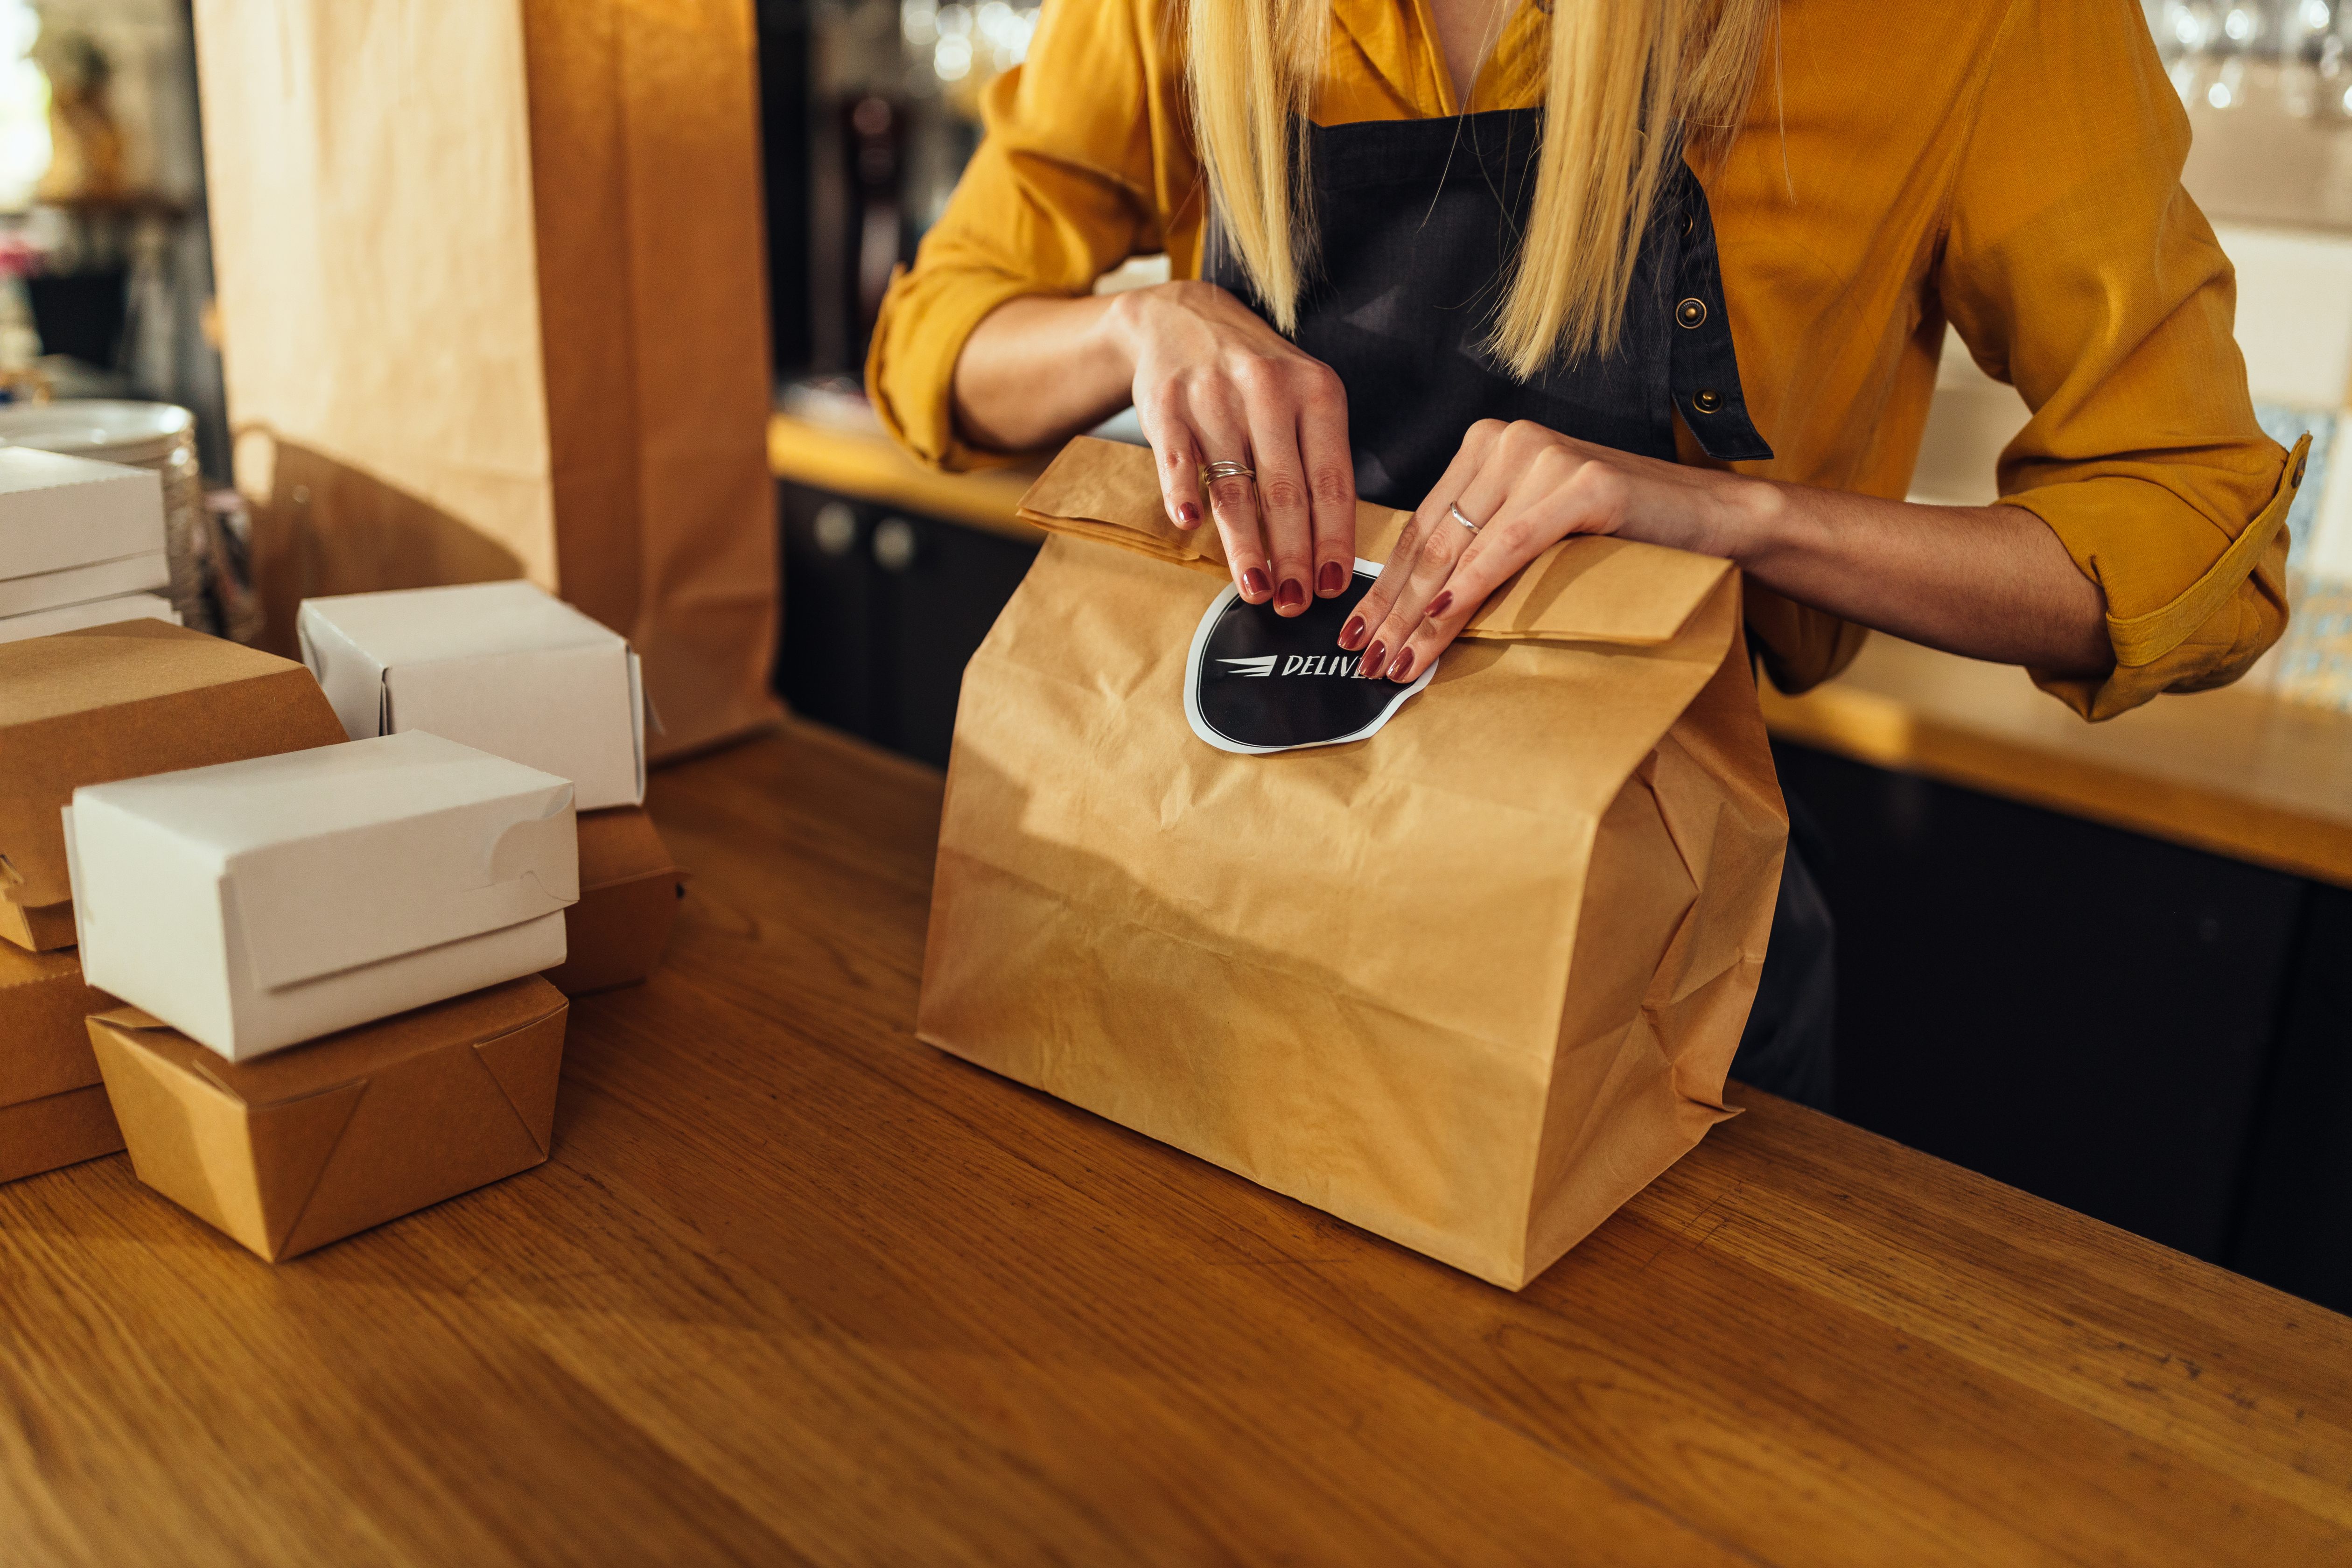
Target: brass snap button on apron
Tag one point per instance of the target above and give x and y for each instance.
(1691, 312)
(1706, 400)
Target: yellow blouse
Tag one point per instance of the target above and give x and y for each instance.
(2011, 166)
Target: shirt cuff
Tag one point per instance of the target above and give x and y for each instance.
(2208, 633)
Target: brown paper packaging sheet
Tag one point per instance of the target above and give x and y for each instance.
(123, 701)
(629, 889)
(306, 1146)
(1470, 984)
(53, 1108)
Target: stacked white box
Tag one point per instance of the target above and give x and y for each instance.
(102, 613)
(77, 534)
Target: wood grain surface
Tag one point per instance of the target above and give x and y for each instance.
(2240, 772)
(797, 1288)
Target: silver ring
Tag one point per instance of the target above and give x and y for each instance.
(1228, 470)
(1460, 519)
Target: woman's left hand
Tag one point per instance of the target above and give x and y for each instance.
(1527, 489)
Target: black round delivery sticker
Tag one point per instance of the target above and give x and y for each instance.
(1257, 682)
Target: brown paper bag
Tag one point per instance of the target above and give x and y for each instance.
(1469, 984)
(493, 301)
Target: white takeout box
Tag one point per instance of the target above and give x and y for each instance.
(502, 665)
(81, 584)
(73, 530)
(259, 904)
(98, 613)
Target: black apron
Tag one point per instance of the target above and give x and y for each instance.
(1417, 222)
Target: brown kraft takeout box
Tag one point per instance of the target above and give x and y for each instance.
(292, 1150)
(629, 889)
(53, 1108)
(1469, 984)
(123, 701)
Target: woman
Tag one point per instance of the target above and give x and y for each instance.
(1673, 270)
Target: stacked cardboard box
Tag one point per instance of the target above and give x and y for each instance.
(81, 545)
(53, 1108)
(107, 703)
(307, 992)
(329, 960)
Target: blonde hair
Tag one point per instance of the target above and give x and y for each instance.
(1622, 73)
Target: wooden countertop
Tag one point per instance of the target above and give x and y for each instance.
(869, 466)
(2237, 772)
(795, 1287)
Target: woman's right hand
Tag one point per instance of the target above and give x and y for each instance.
(1213, 383)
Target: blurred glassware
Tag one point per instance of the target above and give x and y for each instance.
(2184, 28)
(955, 50)
(2293, 56)
(2228, 89)
(2306, 27)
(2250, 27)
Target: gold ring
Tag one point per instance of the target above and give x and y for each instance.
(1228, 470)
(1460, 519)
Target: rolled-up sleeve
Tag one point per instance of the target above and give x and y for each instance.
(1083, 166)
(2075, 268)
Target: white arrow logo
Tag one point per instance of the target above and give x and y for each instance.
(1258, 668)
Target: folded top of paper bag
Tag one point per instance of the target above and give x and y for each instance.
(1592, 589)
(58, 511)
(504, 667)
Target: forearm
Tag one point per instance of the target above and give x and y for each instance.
(1990, 583)
(1038, 369)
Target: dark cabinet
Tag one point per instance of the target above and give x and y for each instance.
(2156, 1036)
(882, 609)
(2295, 1228)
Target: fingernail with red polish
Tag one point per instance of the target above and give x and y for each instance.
(1331, 579)
(1440, 605)
(1254, 583)
(1352, 636)
(1289, 594)
(1403, 665)
(1370, 668)
(1187, 514)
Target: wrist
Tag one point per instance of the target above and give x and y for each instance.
(1745, 520)
(1120, 330)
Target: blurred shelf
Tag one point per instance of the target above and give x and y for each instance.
(2238, 772)
(867, 466)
